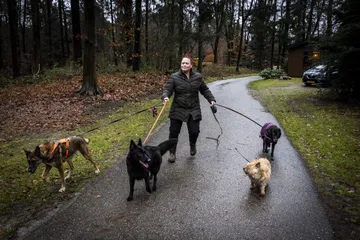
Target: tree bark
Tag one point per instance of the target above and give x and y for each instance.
(137, 50)
(273, 35)
(66, 32)
(60, 6)
(243, 21)
(128, 31)
(181, 29)
(200, 39)
(147, 31)
(13, 25)
(49, 31)
(76, 31)
(113, 32)
(89, 84)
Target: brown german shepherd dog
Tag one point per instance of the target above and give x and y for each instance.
(54, 154)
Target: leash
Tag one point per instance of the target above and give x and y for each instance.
(239, 114)
(154, 110)
(214, 110)
(242, 155)
(155, 122)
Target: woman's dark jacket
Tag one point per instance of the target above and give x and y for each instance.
(186, 95)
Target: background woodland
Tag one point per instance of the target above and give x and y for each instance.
(123, 35)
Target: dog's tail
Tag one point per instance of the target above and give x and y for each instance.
(167, 145)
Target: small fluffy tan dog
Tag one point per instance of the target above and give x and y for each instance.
(259, 172)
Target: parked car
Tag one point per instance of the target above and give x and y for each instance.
(321, 75)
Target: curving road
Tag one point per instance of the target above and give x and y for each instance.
(201, 197)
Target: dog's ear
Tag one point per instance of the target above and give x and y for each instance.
(132, 145)
(139, 142)
(257, 165)
(27, 152)
(37, 151)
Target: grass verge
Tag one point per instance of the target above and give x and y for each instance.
(326, 134)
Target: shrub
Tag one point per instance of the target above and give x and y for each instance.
(271, 73)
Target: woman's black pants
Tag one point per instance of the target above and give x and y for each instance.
(193, 130)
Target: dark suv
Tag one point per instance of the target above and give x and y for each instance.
(319, 75)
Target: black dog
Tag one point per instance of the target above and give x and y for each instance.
(143, 161)
(270, 134)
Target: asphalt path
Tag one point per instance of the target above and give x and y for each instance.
(203, 197)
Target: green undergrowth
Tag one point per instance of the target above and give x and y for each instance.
(326, 134)
(108, 144)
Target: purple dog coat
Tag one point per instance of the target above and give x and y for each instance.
(263, 130)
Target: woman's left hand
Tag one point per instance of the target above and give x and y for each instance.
(212, 103)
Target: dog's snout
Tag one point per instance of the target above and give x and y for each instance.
(148, 160)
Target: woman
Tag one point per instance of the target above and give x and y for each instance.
(185, 85)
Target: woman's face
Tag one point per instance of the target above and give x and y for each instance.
(186, 64)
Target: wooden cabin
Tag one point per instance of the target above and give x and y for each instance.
(300, 57)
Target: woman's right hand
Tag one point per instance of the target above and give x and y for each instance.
(165, 100)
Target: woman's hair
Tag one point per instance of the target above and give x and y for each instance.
(188, 55)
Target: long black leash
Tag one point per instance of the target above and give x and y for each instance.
(120, 119)
(214, 110)
(239, 114)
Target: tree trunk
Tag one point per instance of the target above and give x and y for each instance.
(37, 59)
(137, 52)
(49, 32)
(310, 20)
(128, 31)
(1, 42)
(13, 25)
(181, 29)
(273, 36)
(89, 84)
(170, 33)
(200, 39)
(286, 29)
(113, 32)
(147, 31)
(66, 32)
(23, 29)
(219, 10)
(329, 14)
(76, 31)
(62, 58)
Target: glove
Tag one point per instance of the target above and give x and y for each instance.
(166, 99)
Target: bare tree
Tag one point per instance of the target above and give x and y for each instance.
(76, 30)
(113, 32)
(13, 25)
(89, 83)
(219, 10)
(200, 37)
(245, 14)
(49, 31)
(137, 50)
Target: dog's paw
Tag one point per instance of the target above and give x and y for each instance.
(97, 171)
(148, 190)
(62, 189)
(154, 188)
(129, 199)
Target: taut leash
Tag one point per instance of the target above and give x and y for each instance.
(120, 119)
(239, 113)
(155, 122)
